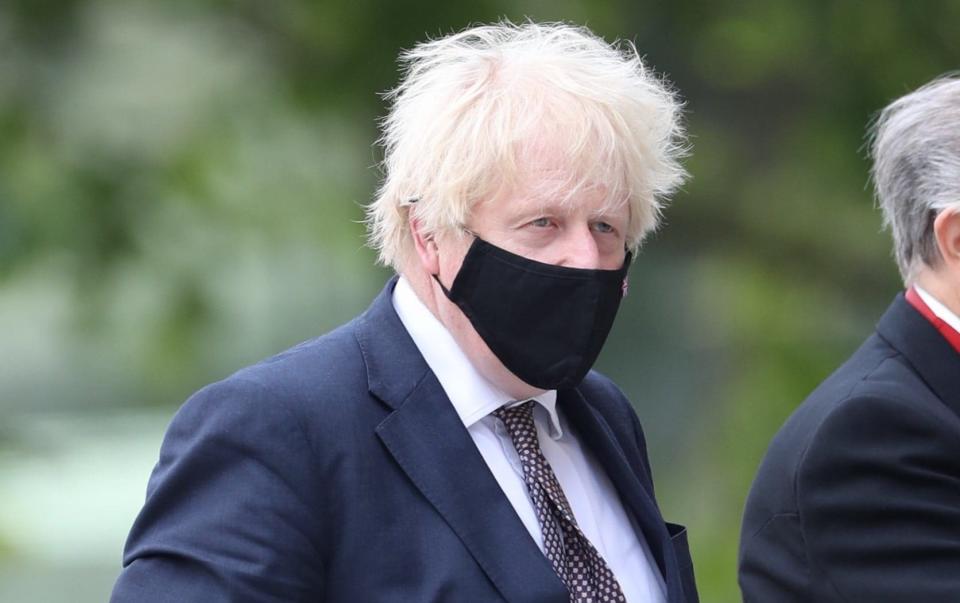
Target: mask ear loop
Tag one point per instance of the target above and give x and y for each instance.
(470, 232)
(463, 228)
(625, 284)
(442, 288)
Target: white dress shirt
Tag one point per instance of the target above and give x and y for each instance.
(592, 497)
(942, 312)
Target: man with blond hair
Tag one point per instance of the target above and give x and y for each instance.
(451, 443)
(858, 498)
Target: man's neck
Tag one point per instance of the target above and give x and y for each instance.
(940, 287)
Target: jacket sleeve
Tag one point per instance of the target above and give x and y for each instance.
(231, 512)
(878, 494)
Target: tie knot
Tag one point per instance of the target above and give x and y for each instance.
(516, 412)
(519, 423)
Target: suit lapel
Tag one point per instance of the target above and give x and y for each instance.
(595, 433)
(429, 442)
(934, 359)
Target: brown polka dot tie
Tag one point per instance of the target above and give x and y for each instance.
(581, 568)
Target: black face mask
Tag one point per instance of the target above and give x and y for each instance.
(545, 323)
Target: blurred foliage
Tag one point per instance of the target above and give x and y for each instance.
(181, 185)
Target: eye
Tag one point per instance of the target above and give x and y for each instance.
(603, 228)
(540, 222)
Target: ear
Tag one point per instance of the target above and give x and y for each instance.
(946, 229)
(426, 248)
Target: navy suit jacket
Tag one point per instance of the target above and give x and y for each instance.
(340, 471)
(858, 498)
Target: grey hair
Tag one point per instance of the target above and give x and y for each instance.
(915, 145)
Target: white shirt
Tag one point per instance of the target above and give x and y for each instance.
(592, 497)
(942, 312)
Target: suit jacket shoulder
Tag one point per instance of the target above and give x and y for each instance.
(852, 497)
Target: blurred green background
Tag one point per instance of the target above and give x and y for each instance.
(181, 185)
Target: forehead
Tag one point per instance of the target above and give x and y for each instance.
(543, 185)
(550, 174)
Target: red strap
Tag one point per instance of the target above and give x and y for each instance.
(949, 333)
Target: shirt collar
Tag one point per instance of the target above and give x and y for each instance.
(942, 312)
(472, 395)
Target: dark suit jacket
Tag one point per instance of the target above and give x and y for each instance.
(858, 498)
(340, 471)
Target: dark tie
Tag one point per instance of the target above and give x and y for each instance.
(579, 565)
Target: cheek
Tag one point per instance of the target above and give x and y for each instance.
(534, 244)
(614, 258)
(451, 253)
(449, 268)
